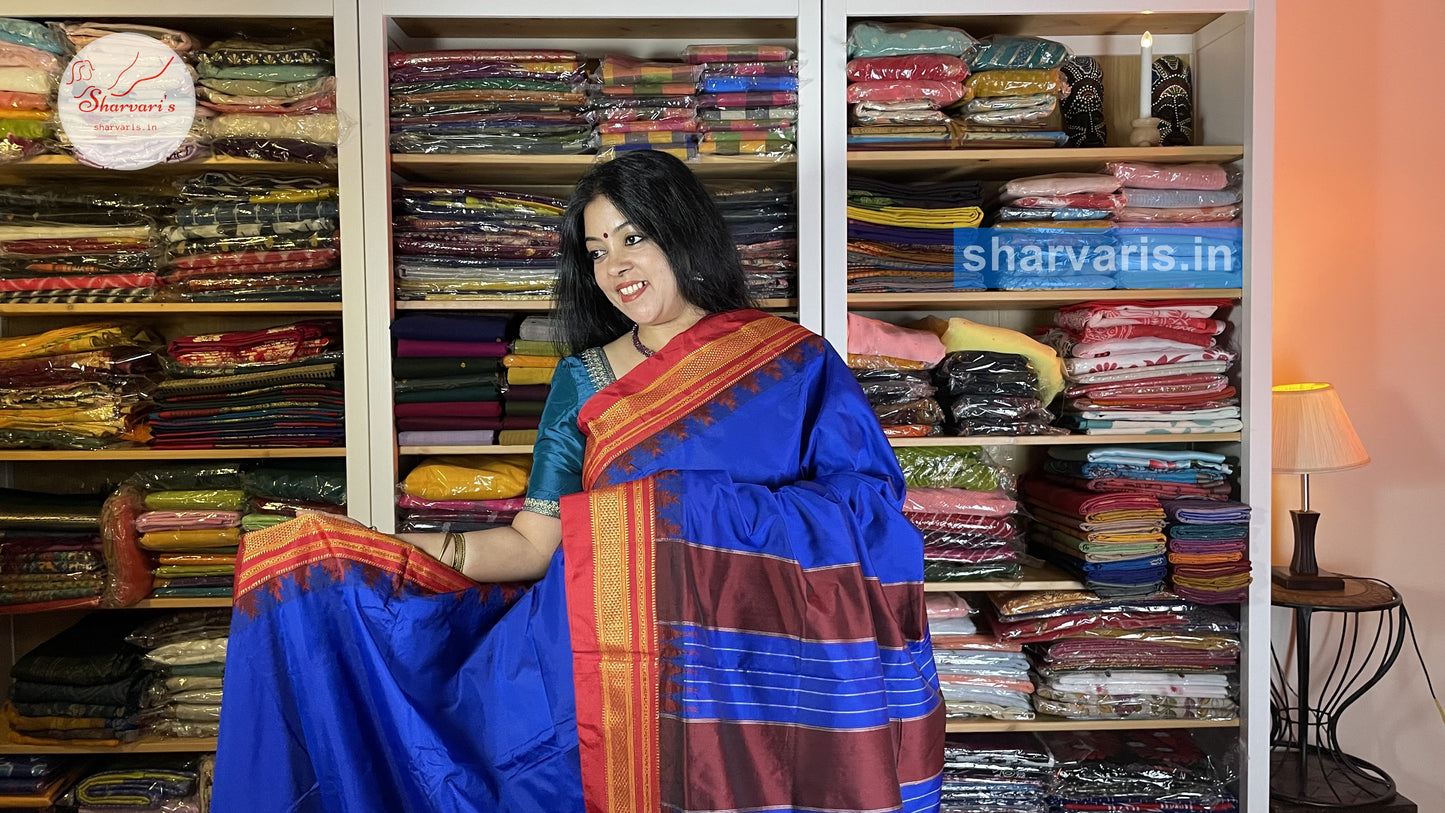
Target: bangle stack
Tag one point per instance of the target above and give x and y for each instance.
(458, 544)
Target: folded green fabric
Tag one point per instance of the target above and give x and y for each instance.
(216, 499)
(477, 393)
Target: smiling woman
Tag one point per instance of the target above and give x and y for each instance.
(724, 599)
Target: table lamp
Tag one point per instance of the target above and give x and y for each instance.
(1312, 435)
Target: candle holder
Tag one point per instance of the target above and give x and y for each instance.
(1145, 132)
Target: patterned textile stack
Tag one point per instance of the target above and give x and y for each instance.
(892, 365)
(1053, 231)
(276, 101)
(978, 675)
(1162, 473)
(463, 493)
(185, 654)
(472, 243)
(23, 778)
(1209, 550)
(966, 534)
(901, 235)
(1146, 368)
(900, 77)
(1188, 215)
(446, 383)
(76, 387)
(277, 386)
(1013, 89)
(254, 238)
(497, 102)
(1098, 659)
(77, 245)
(142, 784)
(1117, 771)
(537, 335)
(191, 530)
(81, 34)
(30, 68)
(987, 393)
(747, 99)
(1005, 772)
(629, 100)
(1114, 542)
(763, 221)
(81, 686)
(50, 551)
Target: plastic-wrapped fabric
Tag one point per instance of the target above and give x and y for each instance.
(940, 92)
(922, 411)
(1162, 768)
(946, 605)
(1004, 52)
(469, 478)
(180, 520)
(959, 467)
(858, 361)
(1013, 83)
(895, 391)
(322, 486)
(988, 409)
(958, 500)
(1208, 177)
(909, 67)
(1040, 630)
(870, 39)
(939, 571)
(981, 372)
(735, 52)
(1060, 184)
(961, 334)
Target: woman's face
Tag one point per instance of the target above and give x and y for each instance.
(629, 267)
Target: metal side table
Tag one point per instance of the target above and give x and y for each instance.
(1307, 765)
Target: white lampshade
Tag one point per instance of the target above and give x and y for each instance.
(1312, 433)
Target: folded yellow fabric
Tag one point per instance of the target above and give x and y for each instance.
(520, 360)
(191, 539)
(71, 339)
(520, 376)
(215, 499)
(469, 477)
(961, 334)
(960, 218)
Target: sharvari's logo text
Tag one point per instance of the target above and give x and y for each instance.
(126, 102)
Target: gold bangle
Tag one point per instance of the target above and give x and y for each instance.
(459, 550)
(442, 554)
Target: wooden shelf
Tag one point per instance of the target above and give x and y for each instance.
(145, 745)
(1046, 722)
(1042, 18)
(538, 305)
(1027, 300)
(50, 456)
(567, 169)
(464, 450)
(63, 166)
(1046, 577)
(180, 603)
(944, 165)
(170, 308)
(1065, 440)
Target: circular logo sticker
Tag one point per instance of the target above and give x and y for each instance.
(126, 102)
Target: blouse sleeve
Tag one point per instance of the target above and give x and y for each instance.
(557, 453)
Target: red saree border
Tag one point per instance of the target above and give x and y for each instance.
(712, 356)
(274, 552)
(609, 542)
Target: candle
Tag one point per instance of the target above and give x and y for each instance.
(1146, 74)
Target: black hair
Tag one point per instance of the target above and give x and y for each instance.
(666, 202)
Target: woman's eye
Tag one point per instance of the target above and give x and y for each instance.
(633, 239)
(596, 254)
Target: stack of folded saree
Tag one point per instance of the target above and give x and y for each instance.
(762, 219)
(277, 386)
(167, 783)
(892, 365)
(1013, 92)
(1053, 231)
(84, 684)
(30, 67)
(967, 534)
(254, 238)
(966, 467)
(1003, 772)
(276, 101)
(1145, 368)
(1152, 658)
(1187, 212)
(1209, 550)
(747, 99)
(1117, 771)
(987, 393)
(185, 655)
(901, 236)
(50, 551)
(192, 534)
(978, 675)
(537, 335)
(277, 494)
(24, 778)
(629, 86)
(460, 242)
(76, 387)
(462, 493)
(446, 383)
(1163, 473)
(1113, 541)
(498, 102)
(900, 76)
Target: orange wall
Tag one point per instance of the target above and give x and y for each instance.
(1359, 301)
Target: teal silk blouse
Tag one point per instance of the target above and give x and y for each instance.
(557, 454)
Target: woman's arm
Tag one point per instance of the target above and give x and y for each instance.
(521, 552)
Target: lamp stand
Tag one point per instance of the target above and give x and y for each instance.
(1304, 572)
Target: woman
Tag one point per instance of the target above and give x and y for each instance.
(728, 610)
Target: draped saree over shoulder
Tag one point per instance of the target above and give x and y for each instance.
(734, 621)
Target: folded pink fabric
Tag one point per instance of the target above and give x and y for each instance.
(1141, 175)
(510, 504)
(1061, 183)
(1086, 503)
(444, 409)
(946, 605)
(181, 520)
(939, 92)
(421, 348)
(870, 337)
(959, 501)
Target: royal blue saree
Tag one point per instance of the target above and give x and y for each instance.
(734, 620)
